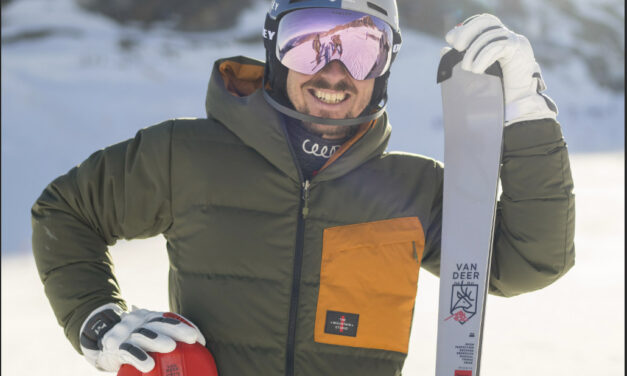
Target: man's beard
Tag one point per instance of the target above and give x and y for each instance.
(334, 131)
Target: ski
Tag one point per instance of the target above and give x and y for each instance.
(473, 110)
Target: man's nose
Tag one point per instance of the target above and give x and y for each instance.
(335, 71)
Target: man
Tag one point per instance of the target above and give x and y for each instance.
(328, 52)
(337, 44)
(294, 239)
(317, 47)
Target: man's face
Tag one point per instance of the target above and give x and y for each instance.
(330, 93)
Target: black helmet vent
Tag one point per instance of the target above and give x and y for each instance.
(375, 7)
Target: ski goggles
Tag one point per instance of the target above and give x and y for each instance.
(308, 39)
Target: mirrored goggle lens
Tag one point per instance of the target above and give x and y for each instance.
(308, 39)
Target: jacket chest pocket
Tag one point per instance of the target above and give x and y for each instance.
(368, 283)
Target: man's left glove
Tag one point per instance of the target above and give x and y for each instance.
(486, 40)
(111, 337)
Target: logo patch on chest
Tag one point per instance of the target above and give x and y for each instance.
(341, 323)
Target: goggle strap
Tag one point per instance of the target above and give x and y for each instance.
(397, 40)
(271, 25)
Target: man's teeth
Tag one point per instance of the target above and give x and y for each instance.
(330, 98)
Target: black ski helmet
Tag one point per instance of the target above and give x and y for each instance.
(275, 74)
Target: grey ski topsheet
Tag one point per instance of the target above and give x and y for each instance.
(473, 109)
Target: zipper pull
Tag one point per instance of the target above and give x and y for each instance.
(306, 198)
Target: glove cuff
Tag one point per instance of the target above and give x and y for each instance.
(533, 107)
(112, 306)
(95, 326)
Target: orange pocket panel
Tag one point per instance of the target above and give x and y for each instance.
(368, 282)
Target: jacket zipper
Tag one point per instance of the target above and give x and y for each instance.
(296, 274)
(303, 212)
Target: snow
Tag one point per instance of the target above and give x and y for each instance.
(92, 83)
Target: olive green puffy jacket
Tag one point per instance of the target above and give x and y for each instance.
(284, 276)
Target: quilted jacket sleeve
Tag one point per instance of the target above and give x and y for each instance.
(120, 192)
(535, 223)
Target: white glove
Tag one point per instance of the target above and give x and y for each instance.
(111, 337)
(486, 40)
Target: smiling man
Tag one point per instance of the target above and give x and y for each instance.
(294, 238)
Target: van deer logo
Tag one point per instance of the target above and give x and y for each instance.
(463, 302)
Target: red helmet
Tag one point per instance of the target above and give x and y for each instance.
(185, 360)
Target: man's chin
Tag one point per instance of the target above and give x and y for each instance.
(337, 115)
(330, 131)
(329, 115)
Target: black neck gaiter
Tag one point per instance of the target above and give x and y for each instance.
(312, 151)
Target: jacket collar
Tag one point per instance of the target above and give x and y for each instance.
(235, 99)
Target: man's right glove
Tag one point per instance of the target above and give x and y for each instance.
(111, 337)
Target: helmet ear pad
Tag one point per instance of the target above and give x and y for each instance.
(379, 93)
(275, 75)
